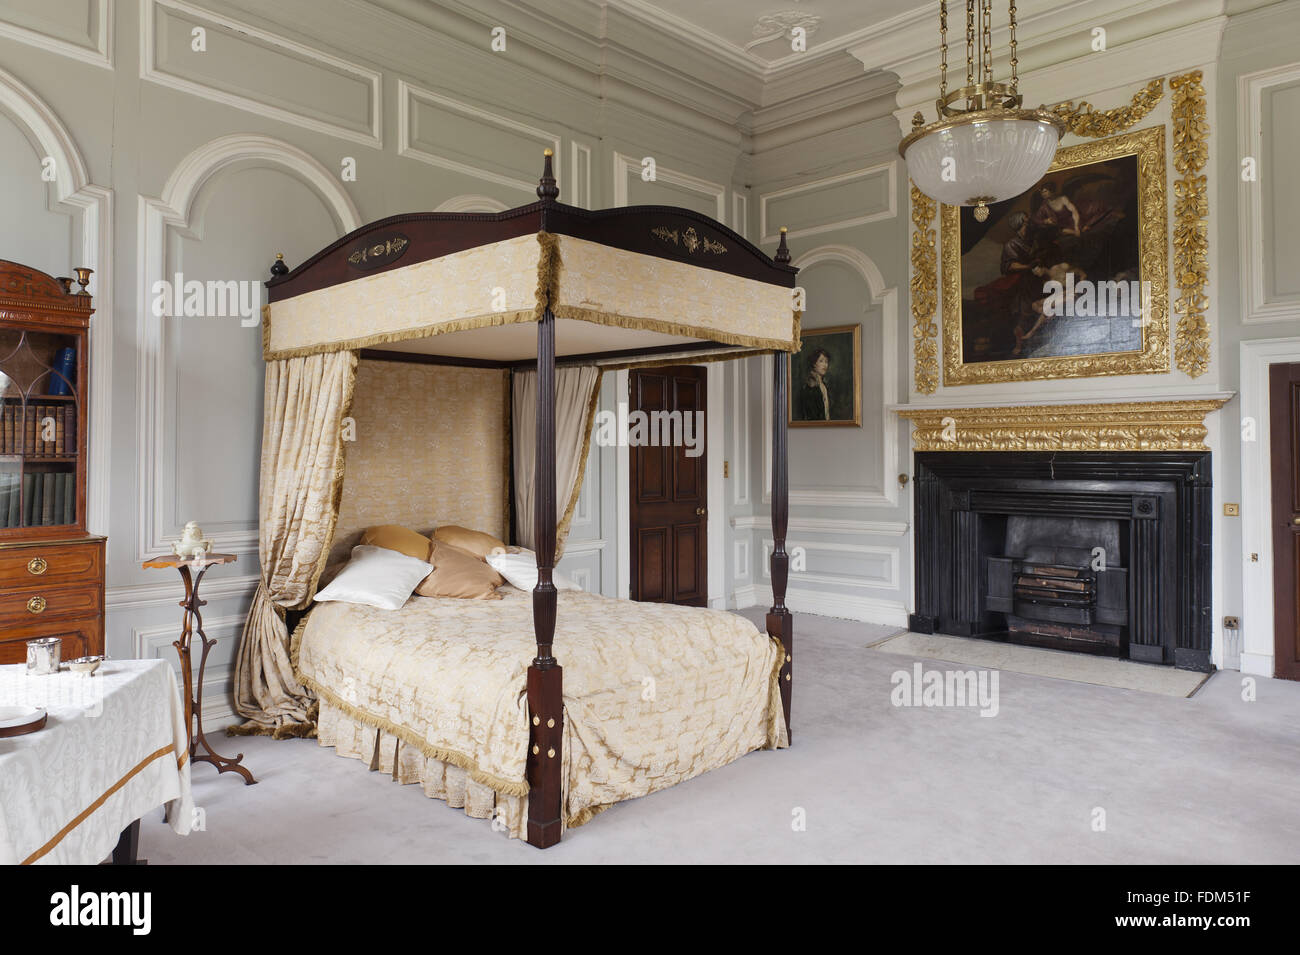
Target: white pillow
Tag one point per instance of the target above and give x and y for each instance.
(376, 577)
(520, 570)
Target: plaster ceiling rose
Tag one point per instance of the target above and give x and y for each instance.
(775, 26)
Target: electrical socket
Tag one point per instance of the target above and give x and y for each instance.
(1231, 623)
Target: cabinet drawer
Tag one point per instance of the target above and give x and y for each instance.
(37, 604)
(45, 564)
(80, 638)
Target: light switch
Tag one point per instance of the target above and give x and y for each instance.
(1232, 510)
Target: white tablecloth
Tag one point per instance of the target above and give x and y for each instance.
(113, 749)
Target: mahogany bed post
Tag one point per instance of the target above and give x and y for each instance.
(545, 678)
(780, 622)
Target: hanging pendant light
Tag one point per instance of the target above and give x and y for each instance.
(989, 148)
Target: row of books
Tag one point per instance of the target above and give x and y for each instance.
(45, 430)
(42, 499)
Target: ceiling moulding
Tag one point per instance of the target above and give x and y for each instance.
(1051, 33)
(774, 167)
(826, 73)
(867, 127)
(663, 48)
(862, 98)
(565, 47)
(645, 116)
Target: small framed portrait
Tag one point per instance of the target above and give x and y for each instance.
(825, 384)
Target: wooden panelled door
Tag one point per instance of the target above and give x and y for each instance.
(669, 493)
(1284, 405)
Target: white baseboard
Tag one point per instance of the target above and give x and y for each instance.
(821, 603)
(1257, 664)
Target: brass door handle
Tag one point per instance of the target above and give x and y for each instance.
(37, 566)
(36, 605)
(701, 511)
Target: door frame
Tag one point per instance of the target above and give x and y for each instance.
(714, 426)
(1257, 618)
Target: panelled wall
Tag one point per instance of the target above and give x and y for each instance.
(842, 196)
(170, 159)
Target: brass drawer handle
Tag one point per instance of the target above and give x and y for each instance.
(36, 605)
(37, 566)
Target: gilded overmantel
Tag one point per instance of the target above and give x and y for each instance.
(1122, 426)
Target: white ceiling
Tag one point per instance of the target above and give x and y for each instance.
(761, 32)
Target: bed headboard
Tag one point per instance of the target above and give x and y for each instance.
(432, 447)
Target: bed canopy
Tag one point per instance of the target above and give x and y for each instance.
(542, 288)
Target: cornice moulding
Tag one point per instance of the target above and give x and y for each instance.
(1179, 32)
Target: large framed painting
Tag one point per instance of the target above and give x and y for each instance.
(825, 385)
(1068, 280)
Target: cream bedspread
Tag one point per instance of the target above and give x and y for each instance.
(654, 694)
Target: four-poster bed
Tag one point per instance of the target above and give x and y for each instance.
(613, 288)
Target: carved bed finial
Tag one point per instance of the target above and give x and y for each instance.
(278, 267)
(782, 256)
(547, 190)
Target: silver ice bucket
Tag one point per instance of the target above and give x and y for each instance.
(43, 655)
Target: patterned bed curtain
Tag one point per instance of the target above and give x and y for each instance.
(577, 392)
(307, 399)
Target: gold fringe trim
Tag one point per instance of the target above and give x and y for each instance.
(506, 787)
(490, 320)
(584, 816)
(549, 265)
(572, 312)
(562, 530)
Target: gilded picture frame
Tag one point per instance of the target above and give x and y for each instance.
(824, 400)
(1147, 238)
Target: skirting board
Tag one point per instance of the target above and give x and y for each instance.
(846, 606)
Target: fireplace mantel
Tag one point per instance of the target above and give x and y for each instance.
(1168, 425)
(1161, 500)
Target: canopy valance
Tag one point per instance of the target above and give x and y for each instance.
(636, 281)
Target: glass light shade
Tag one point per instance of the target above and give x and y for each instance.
(996, 154)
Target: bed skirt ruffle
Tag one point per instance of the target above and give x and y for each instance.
(385, 753)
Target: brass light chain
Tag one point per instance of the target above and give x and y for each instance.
(986, 60)
(943, 49)
(970, 43)
(1014, 61)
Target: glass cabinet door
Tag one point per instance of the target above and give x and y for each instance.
(39, 428)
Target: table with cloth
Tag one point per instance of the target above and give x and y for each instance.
(113, 748)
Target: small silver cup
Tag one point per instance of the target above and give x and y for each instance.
(43, 655)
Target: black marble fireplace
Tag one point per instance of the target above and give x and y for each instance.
(1105, 552)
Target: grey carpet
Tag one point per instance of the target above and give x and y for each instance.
(1206, 779)
(1059, 664)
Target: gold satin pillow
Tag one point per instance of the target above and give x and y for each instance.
(401, 539)
(458, 573)
(476, 542)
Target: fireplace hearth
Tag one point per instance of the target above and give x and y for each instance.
(1103, 552)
